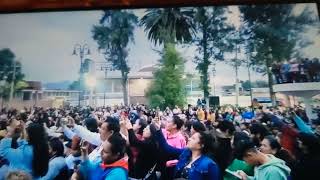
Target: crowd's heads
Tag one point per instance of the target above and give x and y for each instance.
(139, 125)
(149, 132)
(3, 125)
(247, 151)
(226, 127)
(113, 149)
(197, 126)
(258, 132)
(202, 141)
(309, 143)
(109, 127)
(91, 124)
(56, 147)
(174, 123)
(270, 145)
(18, 175)
(238, 137)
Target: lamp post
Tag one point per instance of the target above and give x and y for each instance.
(2, 86)
(105, 67)
(81, 51)
(213, 76)
(254, 53)
(14, 64)
(91, 83)
(236, 64)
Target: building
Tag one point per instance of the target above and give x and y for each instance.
(36, 95)
(109, 90)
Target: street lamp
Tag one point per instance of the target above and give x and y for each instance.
(213, 76)
(236, 64)
(91, 82)
(81, 51)
(2, 86)
(105, 67)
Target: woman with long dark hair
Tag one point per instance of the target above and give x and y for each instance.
(147, 147)
(32, 155)
(57, 164)
(270, 145)
(196, 161)
(308, 158)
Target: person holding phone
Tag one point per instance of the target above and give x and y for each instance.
(147, 147)
(113, 164)
(109, 127)
(32, 153)
(196, 160)
(267, 167)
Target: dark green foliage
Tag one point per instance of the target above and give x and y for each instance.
(7, 58)
(276, 33)
(164, 25)
(211, 40)
(168, 88)
(113, 35)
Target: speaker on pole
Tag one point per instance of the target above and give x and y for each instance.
(214, 101)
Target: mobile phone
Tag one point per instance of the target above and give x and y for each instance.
(233, 173)
(76, 165)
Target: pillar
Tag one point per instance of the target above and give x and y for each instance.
(307, 102)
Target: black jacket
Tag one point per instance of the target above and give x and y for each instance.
(147, 156)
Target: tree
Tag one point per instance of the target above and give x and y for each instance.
(210, 39)
(255, 84)
(7, 60)
(74, 85)
(113, 35)
(275, 32)
(168, 25)
(260, 84)
(168, 88)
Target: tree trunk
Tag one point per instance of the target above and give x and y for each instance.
(125, 87)
(206, 63)
(270, 82)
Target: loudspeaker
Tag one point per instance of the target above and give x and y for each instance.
(214, 101)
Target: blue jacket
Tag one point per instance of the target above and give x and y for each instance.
(20, 158)
(203, 168)
(302, 126)
(247, 115)
(55, 166)
(94, 171)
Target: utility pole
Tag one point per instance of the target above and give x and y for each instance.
(105, 66)
(81, 50)
(13, 80)
(236, 65)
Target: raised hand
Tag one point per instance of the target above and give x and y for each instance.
(157, 123)
(128, 124)
(84, 149)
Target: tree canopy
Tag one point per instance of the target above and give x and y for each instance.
(113, 35)
(168, 87)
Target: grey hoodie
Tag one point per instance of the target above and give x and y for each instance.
(274, 169)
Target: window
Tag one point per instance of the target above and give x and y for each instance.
(26, 96)
(117, 86)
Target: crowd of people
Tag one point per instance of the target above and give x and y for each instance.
(294, 71)
(137, 142)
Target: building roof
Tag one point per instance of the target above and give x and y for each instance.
(34, 85)
(149, 68)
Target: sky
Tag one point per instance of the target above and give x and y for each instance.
(44, 42)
